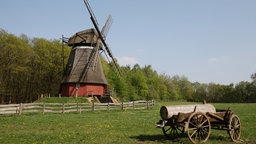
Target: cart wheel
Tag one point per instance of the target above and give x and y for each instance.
(198, 127)
(234, 128)
(172, 132)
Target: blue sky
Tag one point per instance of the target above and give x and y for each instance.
(206, 41)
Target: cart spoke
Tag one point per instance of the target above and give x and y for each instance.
(200, 119)
(179, 129)
(205, 126)
(193, 133)
(203, 123)
(204, 133)
(192, 124)
(168, 129)
(235, 135)
(192, 129)
(237, 126)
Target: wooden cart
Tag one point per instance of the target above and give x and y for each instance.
(198, 122)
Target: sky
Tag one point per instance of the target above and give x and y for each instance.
(203, 40)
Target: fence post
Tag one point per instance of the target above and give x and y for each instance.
(93, 106)
(122, 107)
(44, 108)
(108, 106)
(63, 107)
(77, 108)
(133, 105)
(20, 109)
(147, 104)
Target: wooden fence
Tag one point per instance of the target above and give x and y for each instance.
(72, 107)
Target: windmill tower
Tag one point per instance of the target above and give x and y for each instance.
(84, 74)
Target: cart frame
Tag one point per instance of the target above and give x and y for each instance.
(198, 125)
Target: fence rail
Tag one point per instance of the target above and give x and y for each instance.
(72, 107)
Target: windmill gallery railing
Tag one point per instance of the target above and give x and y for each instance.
(72, 107)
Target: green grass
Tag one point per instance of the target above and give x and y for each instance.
(105, 127)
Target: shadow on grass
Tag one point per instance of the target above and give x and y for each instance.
(182, 139)
(154, 138)
(219, 137)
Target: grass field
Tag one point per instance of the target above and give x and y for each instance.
(105, 127)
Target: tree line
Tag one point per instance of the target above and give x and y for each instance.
(32, 67)
(146, 83)
(29, 67)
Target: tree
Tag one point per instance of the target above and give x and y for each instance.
(138, 80)
(154, 84)
(15, 54)
(47, 62)
(214, 93)
(28, 67)
(253, 77)
(199, 92)
(171, 87)
(241, 92)
(185, 88)
(229, 94)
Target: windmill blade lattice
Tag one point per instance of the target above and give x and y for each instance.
(101, 36)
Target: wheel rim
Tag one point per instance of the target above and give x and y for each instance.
(172, 131)
(198, 127)
(234, 128)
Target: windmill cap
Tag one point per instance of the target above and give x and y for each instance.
(83, 38)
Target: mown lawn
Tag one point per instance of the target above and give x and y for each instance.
(105, 127)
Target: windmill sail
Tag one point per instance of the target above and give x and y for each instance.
(106, 27)
(95, 23)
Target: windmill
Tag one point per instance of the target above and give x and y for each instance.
(84, 74)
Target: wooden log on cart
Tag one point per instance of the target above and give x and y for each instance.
(167, 112)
